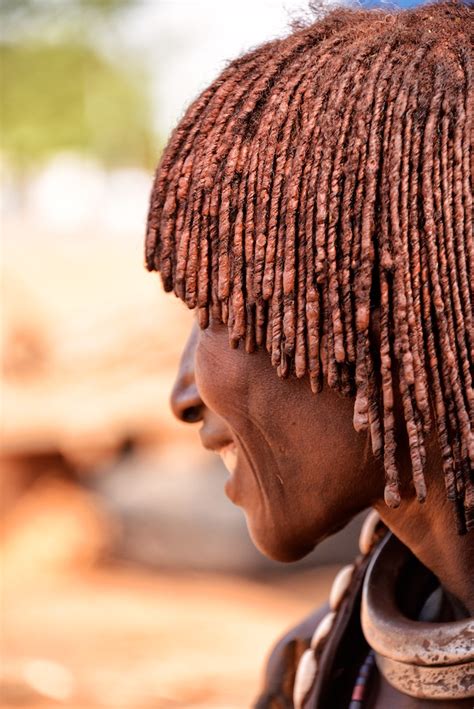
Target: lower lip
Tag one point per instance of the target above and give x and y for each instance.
(230, 489)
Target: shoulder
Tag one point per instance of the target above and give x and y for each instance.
(277, 690)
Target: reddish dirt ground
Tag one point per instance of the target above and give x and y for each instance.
(82, 633)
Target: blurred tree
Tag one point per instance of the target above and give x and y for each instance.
(59, 91)
(67, 97)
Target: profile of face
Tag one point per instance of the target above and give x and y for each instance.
(296, 465)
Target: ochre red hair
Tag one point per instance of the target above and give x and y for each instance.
(321, 179)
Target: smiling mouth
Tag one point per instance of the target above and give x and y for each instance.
(228, 456)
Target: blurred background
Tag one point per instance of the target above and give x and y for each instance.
(128, 579)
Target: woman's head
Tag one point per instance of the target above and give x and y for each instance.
(297, 467)
(315, 205)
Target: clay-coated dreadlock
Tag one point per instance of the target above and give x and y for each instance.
(325, 180)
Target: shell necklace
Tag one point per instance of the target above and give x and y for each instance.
(308, 666)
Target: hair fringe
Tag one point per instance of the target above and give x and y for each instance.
(292, 207)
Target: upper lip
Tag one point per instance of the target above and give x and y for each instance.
(214, 441)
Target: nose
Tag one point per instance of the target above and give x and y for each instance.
(185, 401)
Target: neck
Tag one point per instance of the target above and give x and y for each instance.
(429, 531)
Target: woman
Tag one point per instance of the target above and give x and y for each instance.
(314, 206)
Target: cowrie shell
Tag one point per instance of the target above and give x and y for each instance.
(367, 531)
(323, 629)
(340, 586)
(304, 678)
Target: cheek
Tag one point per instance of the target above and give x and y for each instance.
(219, 379)
(323, 464)
(309, 436)
(231, 381)
(328, 454)
(305, 473)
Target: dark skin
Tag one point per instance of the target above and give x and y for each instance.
(303, 472)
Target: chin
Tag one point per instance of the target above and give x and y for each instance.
(286, 543)
(277, 545)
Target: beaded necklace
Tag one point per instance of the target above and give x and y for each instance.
(308, 667)
(360, 687)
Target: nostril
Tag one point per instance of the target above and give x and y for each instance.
(192, 414)
(186, 405)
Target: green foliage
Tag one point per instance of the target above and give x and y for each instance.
(60, 93)
(59, 97)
